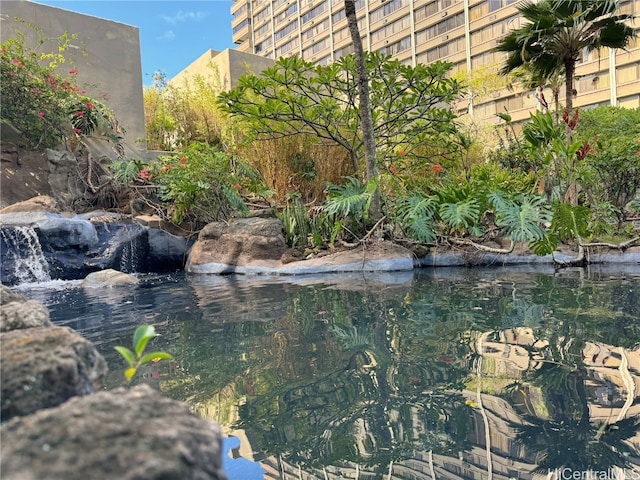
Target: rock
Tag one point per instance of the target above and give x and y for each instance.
(71, 248)
(109, 278)
(23, 174)
(243, 242)
(121, 434)
(19, 312)
(41, 203)
(7, 296)
(44, 367)
(257, 245)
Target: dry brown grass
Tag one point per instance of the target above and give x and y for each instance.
(295, 164)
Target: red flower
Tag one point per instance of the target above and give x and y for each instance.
(436, 168)
(41, 114)
(79, 114)
(401, 152)
(392, 169)
(73, 71)
(77, 130)
(89, 105)
(183, 160)
(145, 174)
(104, 96)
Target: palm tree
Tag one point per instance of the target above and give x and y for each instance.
(557, 32)
(530, 79)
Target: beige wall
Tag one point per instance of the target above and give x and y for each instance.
(228, 65)
(112, 60)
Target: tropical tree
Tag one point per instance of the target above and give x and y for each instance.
(366, 115)
(409, 105)
(557, 32)
(609, 137)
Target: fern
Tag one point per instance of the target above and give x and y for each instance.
(235, 199)
(126, 171)
(416, 215)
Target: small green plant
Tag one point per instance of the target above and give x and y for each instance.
(135, 358)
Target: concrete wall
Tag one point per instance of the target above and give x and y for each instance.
(228, 66)
(112, 61)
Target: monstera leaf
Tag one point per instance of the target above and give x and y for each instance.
(570, 221)
(416, 214)
(521, 218)
(460, 215)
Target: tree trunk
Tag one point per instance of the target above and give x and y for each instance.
(366, 116)
(570, 70)
(571, 194)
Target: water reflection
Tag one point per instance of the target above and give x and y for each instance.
(452, 373)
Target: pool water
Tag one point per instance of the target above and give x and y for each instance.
(447, 373)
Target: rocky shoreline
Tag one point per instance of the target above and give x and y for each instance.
(57, 424)
(73, 246)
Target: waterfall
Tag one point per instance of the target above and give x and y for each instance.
(25, 254)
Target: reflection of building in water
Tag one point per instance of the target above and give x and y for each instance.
(612, 385)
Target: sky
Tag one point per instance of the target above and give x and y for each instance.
(172, 33)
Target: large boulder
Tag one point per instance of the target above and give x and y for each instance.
(122, 434)
(222, 247)
(44, 367)
(40, 203)
(19, 312)
(257, 245)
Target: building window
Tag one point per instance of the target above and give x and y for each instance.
(343, 52)
(241, 11)
(426, 11)
(591, 83)
(341, 14)
(317, 29)
(241, 25)
(397, 47)
(262, 14)
(287, 47)
(283, 32)
(286, 14)
(479, 11)
(400, 25)
(263, 45)
(310, 15)
(263, 30)
(324, 60)
(278, 3)
(439, 28)
(628, 73)
(387, 9)
(315, 48)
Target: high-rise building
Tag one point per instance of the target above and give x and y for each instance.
(463, 32)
